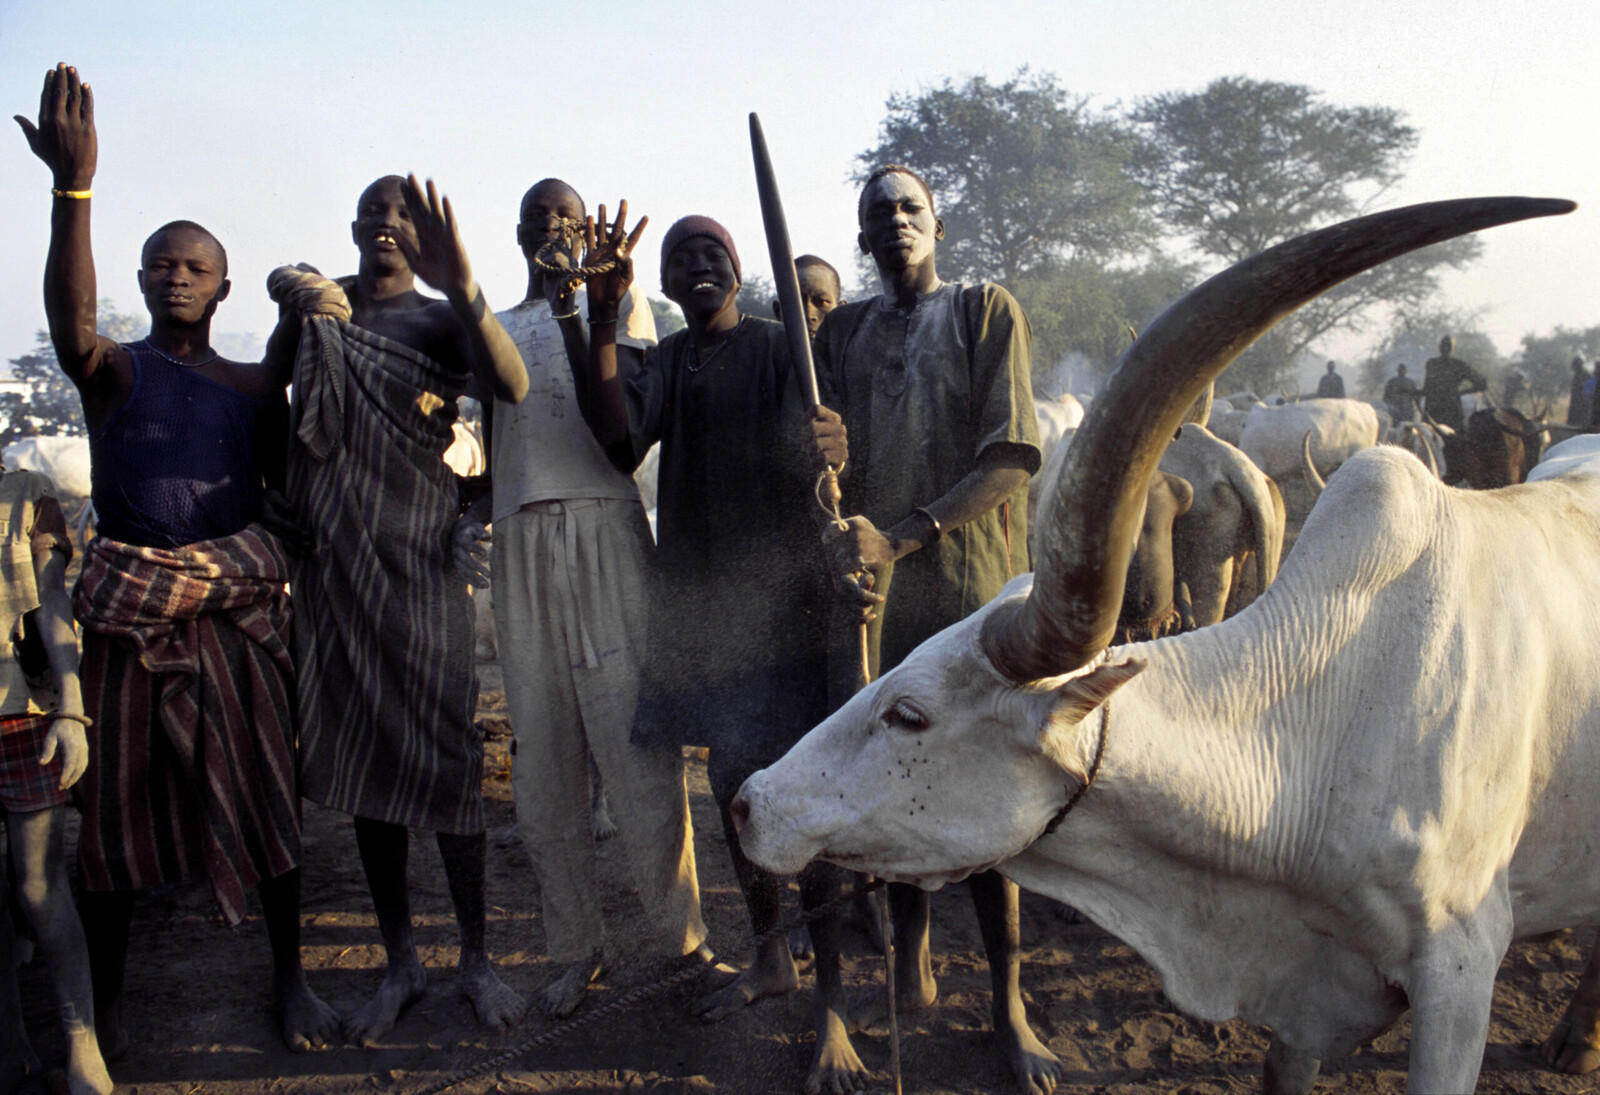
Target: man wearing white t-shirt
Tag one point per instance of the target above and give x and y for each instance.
(570, 552)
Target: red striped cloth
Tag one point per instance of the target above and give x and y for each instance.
(25, 784)
(188, 677)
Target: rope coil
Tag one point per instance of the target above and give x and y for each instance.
(554, 258)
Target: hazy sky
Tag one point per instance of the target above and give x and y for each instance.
(264, 122)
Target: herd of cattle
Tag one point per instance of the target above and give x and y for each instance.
(1335, 806)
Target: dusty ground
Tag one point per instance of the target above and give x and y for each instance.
(198, 998)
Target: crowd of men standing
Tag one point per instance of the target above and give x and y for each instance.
(209, 705)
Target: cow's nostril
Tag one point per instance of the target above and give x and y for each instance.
(739, 811)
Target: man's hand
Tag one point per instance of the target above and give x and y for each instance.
(67, 736)
(64, 138)
(469, 544)
(602, 243)
(825, 439)
(856, 551)
(440, 259)
(281, 517)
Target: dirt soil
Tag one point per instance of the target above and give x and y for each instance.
(198, 995)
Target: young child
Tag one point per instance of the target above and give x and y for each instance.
(737, 653)
(43, 751)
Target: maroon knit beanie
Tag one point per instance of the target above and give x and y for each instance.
(698, 226)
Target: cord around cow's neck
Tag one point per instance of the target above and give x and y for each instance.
(1094, 770)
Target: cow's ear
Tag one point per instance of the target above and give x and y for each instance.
(1072, 702)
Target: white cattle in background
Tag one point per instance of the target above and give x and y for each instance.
(1058, 418)
(64, 460)
(1226, 420)
(1421, 440)
(1339, 428)
(1580, 454)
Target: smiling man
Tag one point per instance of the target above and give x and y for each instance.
(933, 380)
(187, 678)
(736, 659)
(383, 624)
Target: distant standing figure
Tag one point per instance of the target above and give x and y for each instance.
(1445, 379)
(1401, 395)
(1578, 403)
(1331, 386)
(1516, 388)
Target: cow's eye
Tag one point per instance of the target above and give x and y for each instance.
(901, 715)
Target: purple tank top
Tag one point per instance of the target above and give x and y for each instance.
(176, 463)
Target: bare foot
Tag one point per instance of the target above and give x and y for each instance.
(494, 1002)
(836, 1070)
(772, 974)
(1574, 1044)
(305, 1020)
(562, 998)
(1037, 1069)
(870, 1008)
(800, 948)
(86, 1069)
(402, 986)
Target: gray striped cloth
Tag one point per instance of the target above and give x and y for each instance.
(383, 625)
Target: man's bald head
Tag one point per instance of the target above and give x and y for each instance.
(388, 184)
(549, 192)
(173, 230)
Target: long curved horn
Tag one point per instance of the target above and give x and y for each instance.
(1088, 525)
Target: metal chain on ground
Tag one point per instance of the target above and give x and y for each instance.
(634, 996)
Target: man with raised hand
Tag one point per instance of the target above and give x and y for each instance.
(571, 556)
(187, 676)
(383, 623)
(933, 382)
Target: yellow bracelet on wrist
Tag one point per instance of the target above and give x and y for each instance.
(55, 193)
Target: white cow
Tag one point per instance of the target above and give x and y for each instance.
(1343, 802)
(1227, 421)
(65, 460)
(1340, 428)
(1575, 454)
(1422, 440)
(1058, 418)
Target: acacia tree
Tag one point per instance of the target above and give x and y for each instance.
(1023, 174)
(1246, 164)
(1546, 360)
(52, 403)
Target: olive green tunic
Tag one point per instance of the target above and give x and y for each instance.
(923, 392)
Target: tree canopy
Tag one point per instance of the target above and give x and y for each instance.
(1023, 174)
(1096, 219)
(1245, 164)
